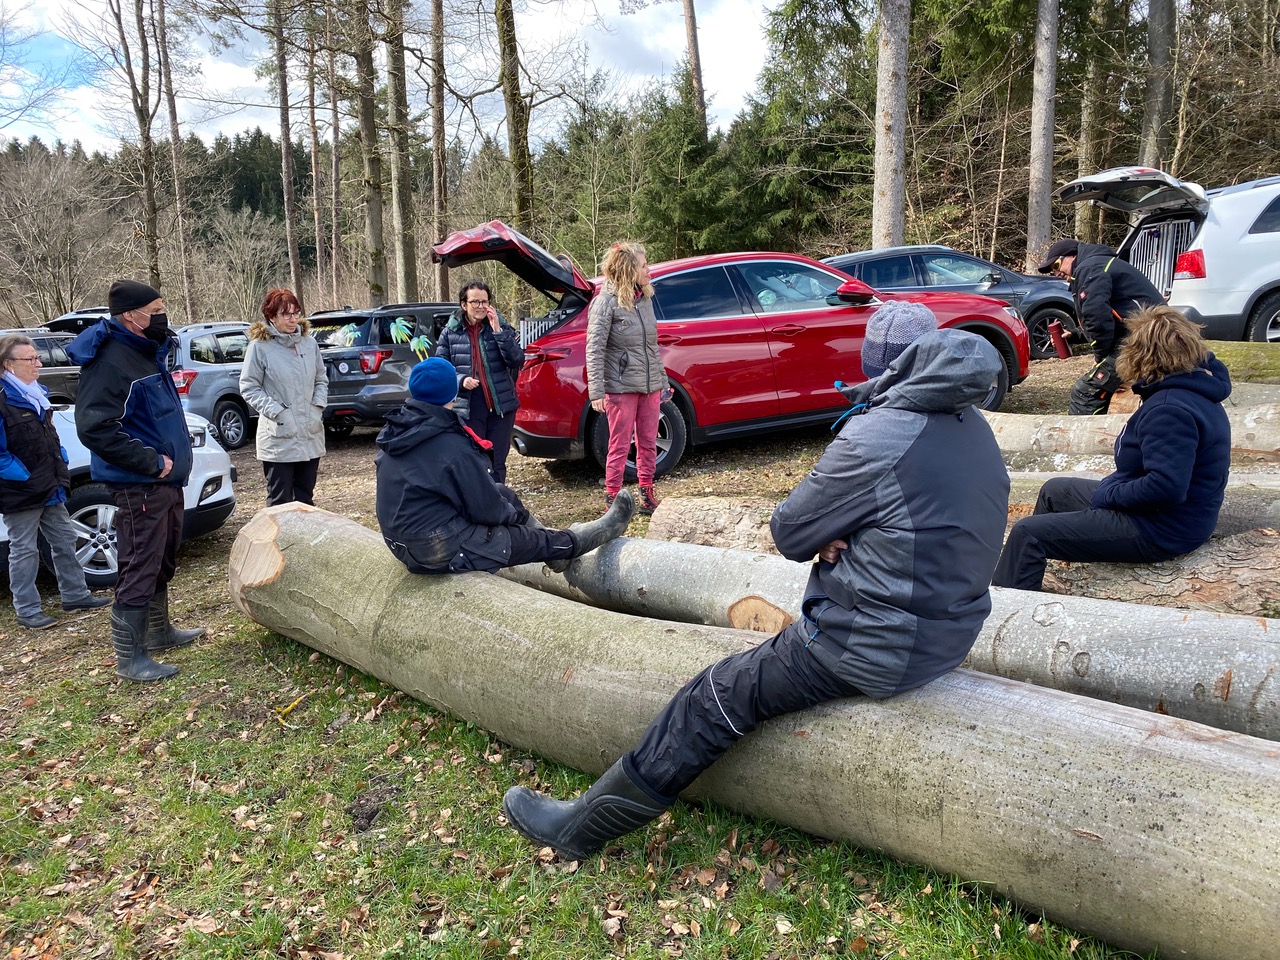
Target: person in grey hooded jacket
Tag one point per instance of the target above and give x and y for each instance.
(905, 511)
(284, 380)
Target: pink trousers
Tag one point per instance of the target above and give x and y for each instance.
(632, 416)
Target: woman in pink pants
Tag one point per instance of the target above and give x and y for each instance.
(626, 380)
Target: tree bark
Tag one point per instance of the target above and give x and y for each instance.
(439, 148)
(695, 67)
(280, 50)
(313, 130)
(1154, 145)
(404, 244)
(335, 163)
(175, 152)
(1203, 666)
(888, 213)
(144, 111)
(374, 237)
(517, 117)
(1049, 797)
(1040, 165)
(1090, 113)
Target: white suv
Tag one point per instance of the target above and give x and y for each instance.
(210, 498)
(1215, 254)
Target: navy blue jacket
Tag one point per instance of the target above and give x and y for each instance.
(500, 362)
(436, 491)
(128, 412)
(1172, 458)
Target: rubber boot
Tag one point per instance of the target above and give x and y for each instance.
(576, 829)
(599, 532)
(161, 634)
(128, 633)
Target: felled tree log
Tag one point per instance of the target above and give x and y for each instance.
(1215, 669)
(1150, 832)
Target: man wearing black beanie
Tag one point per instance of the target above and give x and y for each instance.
(129, 416)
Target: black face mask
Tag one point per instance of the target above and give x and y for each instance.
(159, 329)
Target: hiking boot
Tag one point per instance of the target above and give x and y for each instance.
(648, 501)
(597, 533)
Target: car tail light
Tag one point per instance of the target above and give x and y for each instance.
(371, 360)
(1189, 266)
(534, 355)
(182, 379)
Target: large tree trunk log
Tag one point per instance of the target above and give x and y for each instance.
(1147, 831)
(1220, 670)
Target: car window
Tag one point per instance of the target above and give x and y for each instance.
(340, 331)
(1269, 220)
(696, 295)
(888, 273)
(781, 286)
(946, 270)
(232, 346)
(53, 354)
(203, 349)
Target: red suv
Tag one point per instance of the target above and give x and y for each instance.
(752, 343)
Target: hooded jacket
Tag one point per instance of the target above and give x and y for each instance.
(1173, 457)
(33, 464)
(500, 361)
(622, 346)
(284, 380)
(917, 488)
(1102, 283)
(128, 412)
(436, 491)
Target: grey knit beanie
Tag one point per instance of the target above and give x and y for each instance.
(890, 330)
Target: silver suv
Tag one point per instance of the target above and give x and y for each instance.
(1214, 253)
(206, 370)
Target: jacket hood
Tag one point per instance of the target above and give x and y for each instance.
(415, 423)
(261, 330)
(1211, 380)
(84, 348)
(941, 372)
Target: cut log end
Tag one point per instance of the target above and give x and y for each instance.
(256, 558)
(757, 613)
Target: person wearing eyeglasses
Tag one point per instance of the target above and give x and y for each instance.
(486, 352)
(284, 380)
(129, 415)
(33, 489)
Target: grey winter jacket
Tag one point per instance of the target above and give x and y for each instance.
(284, 381)
(917, 488)
(622, 347)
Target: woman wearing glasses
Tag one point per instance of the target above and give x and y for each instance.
(33, 489)
(284, 380)
(486, 351)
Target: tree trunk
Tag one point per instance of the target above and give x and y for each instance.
(888, 215)
(695, 67)
(179, 176)
(1049, 797)
(1040, 166)
(439, 148)
(286, 148)
(375, 244)
(1090, 101)
(313, 129)
(335, 165)
(144, 111)
(517, 117)
(404, 244)
(1154, 145)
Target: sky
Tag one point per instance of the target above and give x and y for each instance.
(635, 48)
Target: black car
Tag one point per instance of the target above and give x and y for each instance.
(932, 267)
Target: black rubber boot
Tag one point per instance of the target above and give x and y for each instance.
(161, 634)
(615, 805)
(599, 532)
(128, 633)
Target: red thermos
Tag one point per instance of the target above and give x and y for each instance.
(1059, 344)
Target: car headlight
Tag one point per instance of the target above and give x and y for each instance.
(198, 436)
(1013, 312)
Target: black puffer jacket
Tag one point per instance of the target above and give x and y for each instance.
(1104, 285)
(436, 491)
(501, 360)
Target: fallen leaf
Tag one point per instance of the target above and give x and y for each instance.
(783, 926)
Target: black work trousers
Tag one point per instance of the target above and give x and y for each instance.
(1091, 394)
(148, 532)
(290, 482)
(497, 430)
(1065, 527)
(724, 703)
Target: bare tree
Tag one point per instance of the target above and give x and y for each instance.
(1040, 166)
(279, 44)
(439, 147)
(1154, 146)
(28, 90)
(335, 159)
(695, 58)
(313, 129)
(403, 241)
(362, 40)
(175, 152)
(888, 215)
(517, 115)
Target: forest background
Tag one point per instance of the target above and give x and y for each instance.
(924, 121)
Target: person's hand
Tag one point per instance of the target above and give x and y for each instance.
(597, 406)
(168, 465)
(831, 552)
(667, 394)
(1070, 334)
(494, 323)
(470, 383)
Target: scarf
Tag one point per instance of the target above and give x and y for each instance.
(32, 391)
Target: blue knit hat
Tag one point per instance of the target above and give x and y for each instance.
(890, 330)
(434, 380)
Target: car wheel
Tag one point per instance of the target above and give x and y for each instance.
(1264, 322)
(999, 386)
(672, 437)
(232, 424)
(1042, 347)
(93, 518)
(338, 431)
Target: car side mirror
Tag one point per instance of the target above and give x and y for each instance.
(855, 292)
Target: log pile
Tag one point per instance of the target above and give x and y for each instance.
(1148, 831)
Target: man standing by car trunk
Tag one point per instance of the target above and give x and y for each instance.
(130, 418)
(1106, 290)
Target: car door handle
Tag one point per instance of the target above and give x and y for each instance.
(787, 330)
(667, 339)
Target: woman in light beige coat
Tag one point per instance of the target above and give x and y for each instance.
(285, 381)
